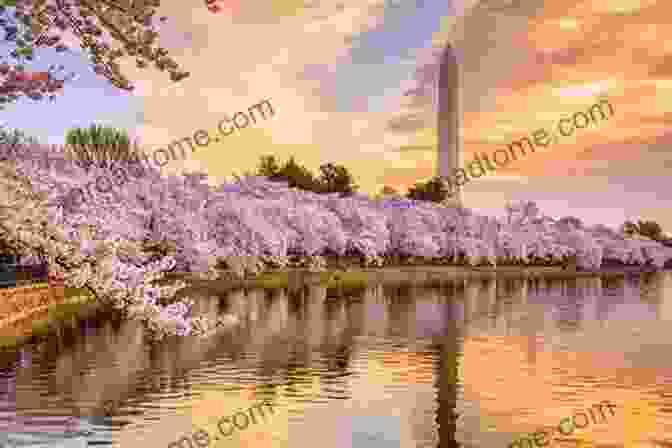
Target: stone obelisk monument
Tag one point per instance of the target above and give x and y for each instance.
(449, 121)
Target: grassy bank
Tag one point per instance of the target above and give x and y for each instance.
(78, 304)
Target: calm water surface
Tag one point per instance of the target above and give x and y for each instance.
(475, 363)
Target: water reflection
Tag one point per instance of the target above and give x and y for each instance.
(461, 363)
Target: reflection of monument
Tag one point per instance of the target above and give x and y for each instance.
(448, 119)
(447, 380)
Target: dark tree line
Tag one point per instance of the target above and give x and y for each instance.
(106, 146)
(332, 178)
(337, 179)
(434, 190)
(649, 229)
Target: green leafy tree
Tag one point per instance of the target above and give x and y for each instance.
(336, 179)
(650, 229)
(297, 176)
(268, 167)
(434, 190)
(333, 178)
(99, 146)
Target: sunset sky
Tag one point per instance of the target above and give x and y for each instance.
(353, 82)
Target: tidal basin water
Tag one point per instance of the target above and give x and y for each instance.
(464, 363)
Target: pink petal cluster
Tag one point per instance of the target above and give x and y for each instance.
(255, 226)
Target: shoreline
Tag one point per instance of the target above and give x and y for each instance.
(40, 322)
(287, 278)
(77, 305)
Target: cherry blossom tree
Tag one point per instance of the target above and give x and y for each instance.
(180, 223)
(96, 250)
(108, 29)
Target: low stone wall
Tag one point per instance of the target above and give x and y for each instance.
(22, 303)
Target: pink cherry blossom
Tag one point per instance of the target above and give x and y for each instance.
(123, 239)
